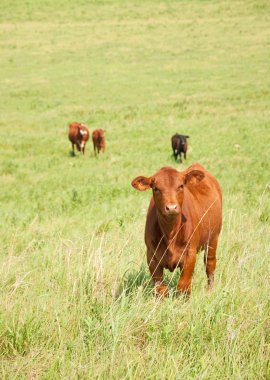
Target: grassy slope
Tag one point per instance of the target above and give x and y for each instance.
(72, 228)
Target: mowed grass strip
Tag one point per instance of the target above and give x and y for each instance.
(76, 296)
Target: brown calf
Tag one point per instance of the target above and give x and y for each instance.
(184, 216)
(78, 135)
(98, 138)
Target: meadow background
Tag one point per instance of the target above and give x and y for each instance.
(75, 296)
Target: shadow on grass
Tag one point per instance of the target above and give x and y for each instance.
(176, 161)
(133, 280)
(72, 154)
(140, 280)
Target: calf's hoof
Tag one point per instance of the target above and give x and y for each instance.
(161, 290)
(210, 282)
(185, 293)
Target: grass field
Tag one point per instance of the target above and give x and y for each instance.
(75, 296)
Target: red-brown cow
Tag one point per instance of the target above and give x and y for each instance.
(78, 135)
(98, 138)
(184, 216)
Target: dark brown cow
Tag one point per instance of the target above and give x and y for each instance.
(78, 135)
(184, 216)
(98, 138)
(179, 145)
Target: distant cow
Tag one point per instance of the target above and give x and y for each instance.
(78, 135)
(98, 138)
(184, 216)
(179, 145)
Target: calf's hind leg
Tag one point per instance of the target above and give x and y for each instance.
(210, 261)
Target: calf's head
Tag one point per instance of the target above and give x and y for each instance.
(168, 188)
(82, 137)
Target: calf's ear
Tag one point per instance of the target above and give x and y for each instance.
(193, 177)
(141, 183)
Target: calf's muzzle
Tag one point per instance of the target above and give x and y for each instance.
(171, 208)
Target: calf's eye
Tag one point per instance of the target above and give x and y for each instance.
(180, 187)
(156, 190)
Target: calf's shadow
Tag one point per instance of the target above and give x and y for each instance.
(134, 280)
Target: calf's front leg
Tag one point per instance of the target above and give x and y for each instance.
(184, 283)
(156, 271)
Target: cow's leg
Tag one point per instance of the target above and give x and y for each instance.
(156, 271)
(83, 148)
(175, 153)
(184, 283)
(185, 155)
(210, 261)
(73, 149)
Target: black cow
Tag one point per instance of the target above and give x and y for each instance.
(179, 145)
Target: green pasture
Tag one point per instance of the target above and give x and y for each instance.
(76, 298)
